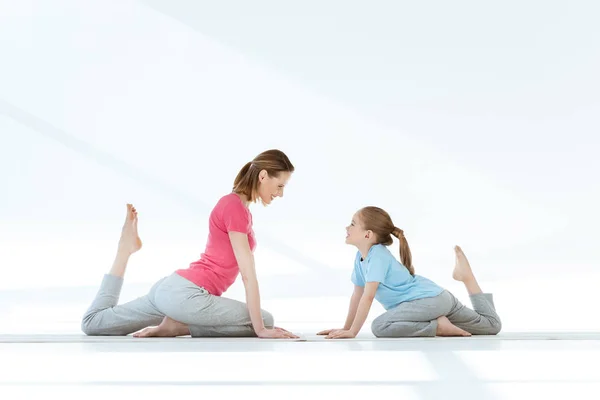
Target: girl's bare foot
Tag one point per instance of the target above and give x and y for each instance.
(130, 241)
(447, 328)
(463, 272)
(167, 328)
(462, 268)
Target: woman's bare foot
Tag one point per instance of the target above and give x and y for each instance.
(167, 328)
(130, 241)
(447, 328)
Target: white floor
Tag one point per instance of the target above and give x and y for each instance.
(43, 354)
(510, 366)
(546, 354)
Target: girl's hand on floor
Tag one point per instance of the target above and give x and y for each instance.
(329, 331)
(340, 334)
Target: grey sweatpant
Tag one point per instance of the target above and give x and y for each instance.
(172, 296)
(419, 317)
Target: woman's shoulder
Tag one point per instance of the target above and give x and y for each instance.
(229, 199)
(230, 203)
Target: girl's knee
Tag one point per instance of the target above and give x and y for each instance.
(87, 328)
(495, 327)
(377, 329)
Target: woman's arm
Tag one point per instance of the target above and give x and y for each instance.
(245, 259)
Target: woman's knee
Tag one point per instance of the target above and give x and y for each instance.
(91, 325)
(268, 319)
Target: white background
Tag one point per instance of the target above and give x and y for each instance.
(472, 124)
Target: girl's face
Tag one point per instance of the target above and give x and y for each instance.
(355, 233)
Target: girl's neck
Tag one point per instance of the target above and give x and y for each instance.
(364, 250)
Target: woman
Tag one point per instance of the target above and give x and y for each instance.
(189, 302)
(415, 306)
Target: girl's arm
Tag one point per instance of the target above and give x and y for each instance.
(245, 260)
(354, 300)
(364, 306)
(362, 312)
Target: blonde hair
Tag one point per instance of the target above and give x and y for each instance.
(379, 221)
(273, 161)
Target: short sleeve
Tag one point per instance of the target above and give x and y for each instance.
(377, 269)
(236, 218)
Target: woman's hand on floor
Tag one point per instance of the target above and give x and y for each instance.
(276, 333)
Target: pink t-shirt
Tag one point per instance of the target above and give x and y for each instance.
(217, 268)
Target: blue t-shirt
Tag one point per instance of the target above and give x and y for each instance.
(396, 284)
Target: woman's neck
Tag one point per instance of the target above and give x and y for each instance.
(244, 199)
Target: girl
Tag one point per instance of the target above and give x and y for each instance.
(189, 302)
(415, 305)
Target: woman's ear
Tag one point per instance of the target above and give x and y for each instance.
(263, 175)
